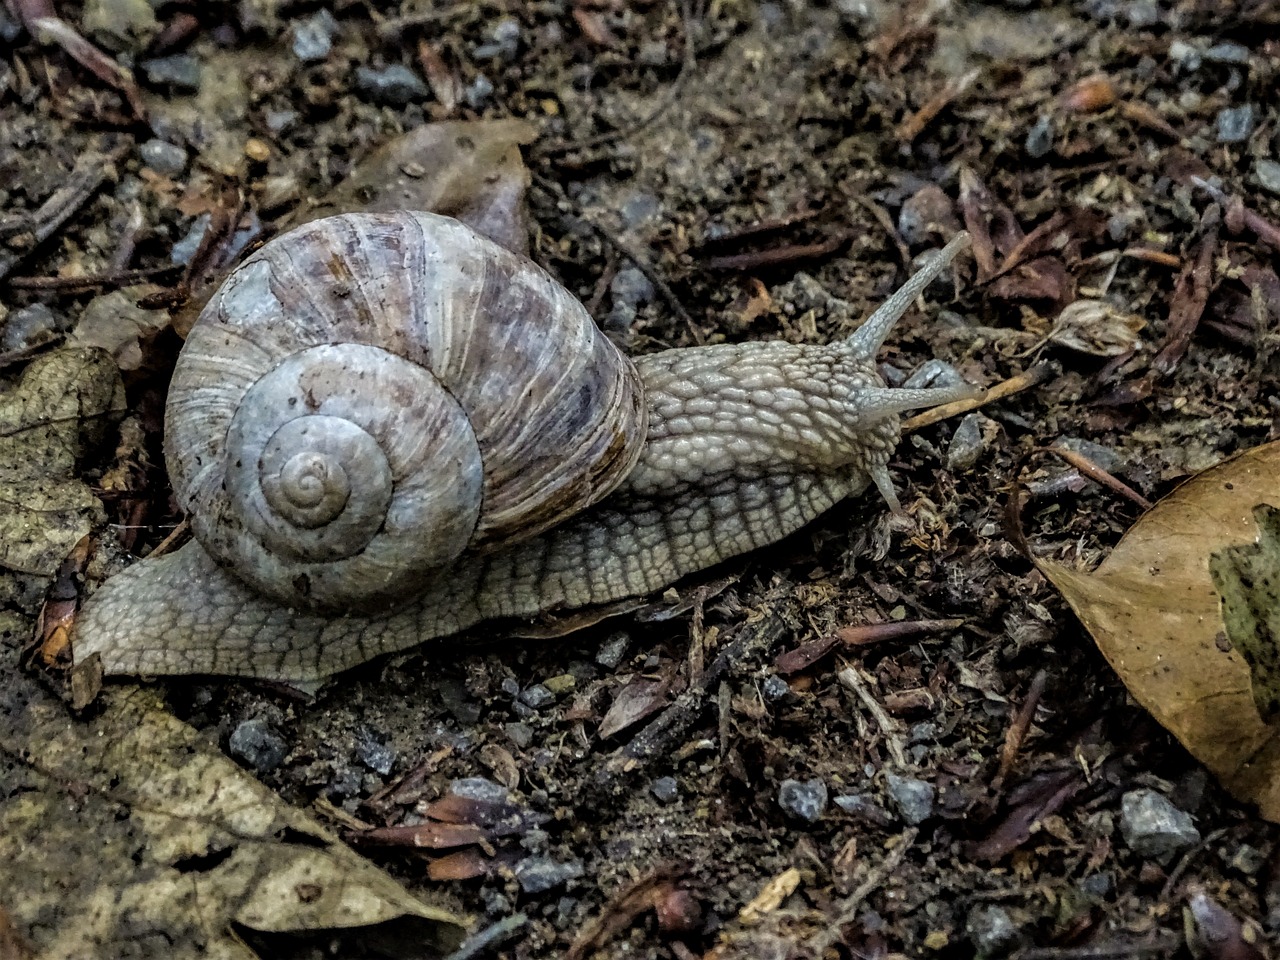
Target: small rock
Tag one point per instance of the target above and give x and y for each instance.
(1247, 859)
(479, 788)
(1185, 55)
(394, 86)
(540, 874)
(1268, 174)
(280, 121)
(913, 798)
(864, 808)
(166, 159)
(521, 734)
(178, 72)
(503, 40)
(373, 753)
(1040, 137)
(537, 696)
(185, 248)
(258, 744)
(665, 789)
(927, 214)
(478, 92)
(1098, 885)
(639, 207)
(1152, 826)
(1124, 222)
(775, 688)
(120, 24)
(278, 191)
(1228, 52)
(1235, 124)
(613, 650)
(10, 28)
(629, 289)
(560, 684)
(510, 686)
(28, 327)
(803, 799)
(313, 37)
(969, 442)
(992, 931)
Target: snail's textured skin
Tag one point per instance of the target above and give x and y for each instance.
(744, 444)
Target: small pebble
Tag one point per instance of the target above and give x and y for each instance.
(279, 191)
(120, 24)
(313, 37)
(665, 789)
(613, 650)
(968, 443)
(629, 289)
(1228, 52)
(864, 808)
(992, 931)
(934, 373)
(537, 696)
(373, 753)
(1235, 124)
(510, 686)
(394, 86)
(540, 874)
(1185, 55)
(258, 744)
(560, 684)
(775, 688)
(28, 327)
(1247, 859)
(280, 121)
(803, 799)
(926, 213)
(1039, 138)
(503, 40)
(913, 798)
(1098, 885)
(478, 92)
(178, 72)
(166, 159)
(10, 29)
(521, 734)
(1152, 826)
(1268, 174)
(479, 788)
(185, 248)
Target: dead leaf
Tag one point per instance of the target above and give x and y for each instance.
(1096, 328)
(1152, 610)
(469, 170)
(114, 322)
(128, 828)
(638, 699)
(770, 896)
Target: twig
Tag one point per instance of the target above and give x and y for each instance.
(777, 256)
(1167, 942)
(868, 633)
(687, 68)
(175, 535)
(914, 125)
(1016, 384)
(847, 910)
(1098, 475)
(120, 278)
(90, 172)
(851, 680)
(1017, 731)
(500, 932)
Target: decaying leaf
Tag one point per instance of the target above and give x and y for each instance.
(1153, 612)
(470, 170)
(60, 408)
(126, 835)
(1096, 328)
(115, 323)
(1248, 580)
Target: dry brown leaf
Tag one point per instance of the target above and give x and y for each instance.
(1097, 328)
(1153, 612)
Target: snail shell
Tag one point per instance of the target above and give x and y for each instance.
(372, 395)
(387, 429)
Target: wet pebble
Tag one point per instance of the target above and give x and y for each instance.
(166, 159)
(613, 650)
(913, 798)
(934, 373)
(478, 788)
(629, 289)
(1228, 52)
(1185, 55)
(665, 789)
(373, 753)
(185, 248)
(775, 688)
(394, 86)
(178, 72)
(969, 442)
(258, 744)
(540, 874)
(478, 92)
(803, 799)
(537, 696)
(313, 36)
(502, 41)
(1152, 826)
(521, 734)
(28, 327)
(1268, 174)
(1040, 137)
(1235, 124)
(992, 931)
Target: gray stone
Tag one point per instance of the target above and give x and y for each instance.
(537, 696)
(613, 650)
(1185, 55)
(185, 248)
(913, 798)
(521, 734)
(502, 40)
(1247, 859)
(478, 92)
(120, 24)
(992, 931)
(1098, 885)
(803, 799)
(178, 72)
(968, 443)
(1152, 826)
(479, 788)
(1235, 124)
(935, 373)
(1039, 138)
(629, 288)
(1228, 52)
(280, 121)
(313, 37)
(258, 744)
(373, 753)
(395, 86)
(540, 874)
(775, 688)
(10, 28)
(1268, 174)
(166, 159)
(28, 327)
(665, 789)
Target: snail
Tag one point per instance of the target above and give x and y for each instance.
(385, 429)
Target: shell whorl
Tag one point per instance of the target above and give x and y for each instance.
(371, 395)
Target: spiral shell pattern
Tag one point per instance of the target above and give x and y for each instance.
(371, 395)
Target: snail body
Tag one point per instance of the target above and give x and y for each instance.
(387, 429)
